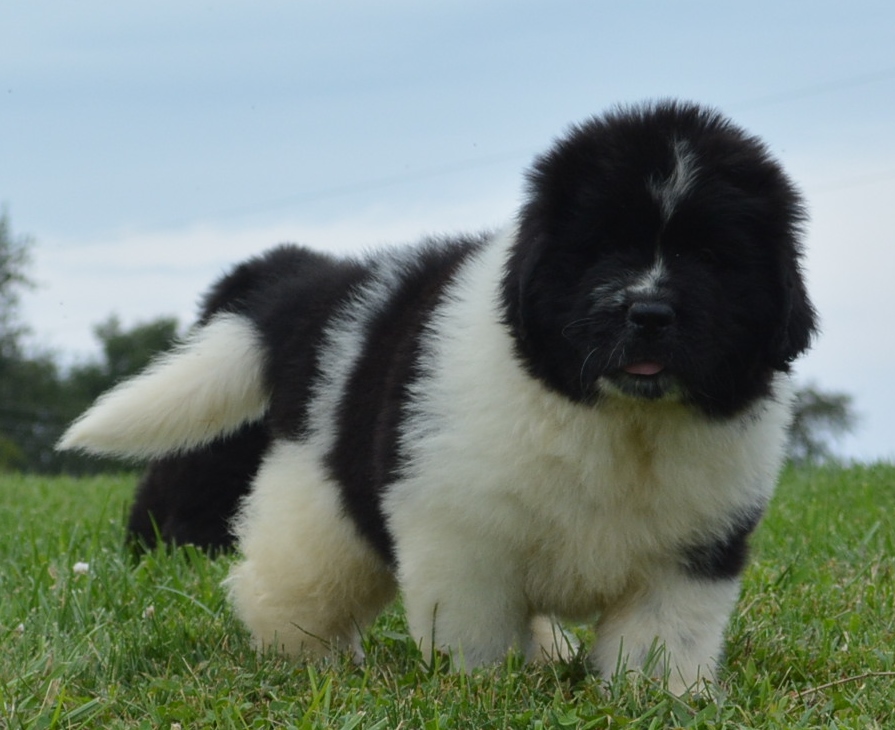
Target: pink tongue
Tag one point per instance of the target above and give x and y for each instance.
(644, 368)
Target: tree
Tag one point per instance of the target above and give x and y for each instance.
(30, 418)
(47, 400)
(819, 417)
(37, 399)
(124, 353)
(14, 260)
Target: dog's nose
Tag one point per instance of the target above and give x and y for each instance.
(651, 316)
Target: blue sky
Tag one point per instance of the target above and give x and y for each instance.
(146, 147)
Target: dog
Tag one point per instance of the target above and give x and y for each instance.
(580, 417)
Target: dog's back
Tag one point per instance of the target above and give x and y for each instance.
(192, 497)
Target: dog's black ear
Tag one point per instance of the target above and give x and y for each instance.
(517, 276)
(798, 324)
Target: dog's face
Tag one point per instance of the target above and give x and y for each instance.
(658, 257)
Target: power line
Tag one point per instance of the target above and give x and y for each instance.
(854, 182)
(373, 184)
(806, 92)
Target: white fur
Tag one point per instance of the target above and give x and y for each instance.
(648, 284)
(621, 292)
(209, 385)
(677, 185)
(308, 582)
(675, 622)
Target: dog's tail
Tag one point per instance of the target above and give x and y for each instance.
(205, 388)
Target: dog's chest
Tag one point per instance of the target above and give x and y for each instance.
(576, 554)
(600, 518)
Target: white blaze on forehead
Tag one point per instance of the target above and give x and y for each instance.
(670, 191)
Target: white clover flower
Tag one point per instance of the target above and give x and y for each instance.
(81, 568)
(149, 611)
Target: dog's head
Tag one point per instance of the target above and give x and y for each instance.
(658, 256)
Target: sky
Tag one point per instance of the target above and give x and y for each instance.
(147, 147)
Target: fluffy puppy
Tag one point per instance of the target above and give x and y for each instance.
(581, 417)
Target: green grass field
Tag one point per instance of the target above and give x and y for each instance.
(117, 644)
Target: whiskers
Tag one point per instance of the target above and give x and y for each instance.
(585, 383)
(583, 332)
(568, 332)
(572, 333)
(587, 378)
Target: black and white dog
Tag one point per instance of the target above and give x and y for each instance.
(582, 416)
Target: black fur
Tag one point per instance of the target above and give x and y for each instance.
(730, 248)
(292, 294)
(191, 498)
(724, 557)
(581, 415)
(292, 316)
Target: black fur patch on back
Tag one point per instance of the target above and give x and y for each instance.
(365, 457)
(292, 314)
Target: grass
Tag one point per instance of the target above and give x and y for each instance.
(154, 645)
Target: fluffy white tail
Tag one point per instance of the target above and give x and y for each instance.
(207, 387)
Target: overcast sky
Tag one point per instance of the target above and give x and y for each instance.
(147, 146)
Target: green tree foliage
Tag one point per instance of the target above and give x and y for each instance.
(33, 396)
(124, 353)
(820, 418)
(18, 379)
(45, 400)
(38, 399)
(14, 260)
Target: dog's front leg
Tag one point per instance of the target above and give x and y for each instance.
(463, 600)
(671, 627)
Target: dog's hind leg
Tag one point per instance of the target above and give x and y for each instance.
(308, 582)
